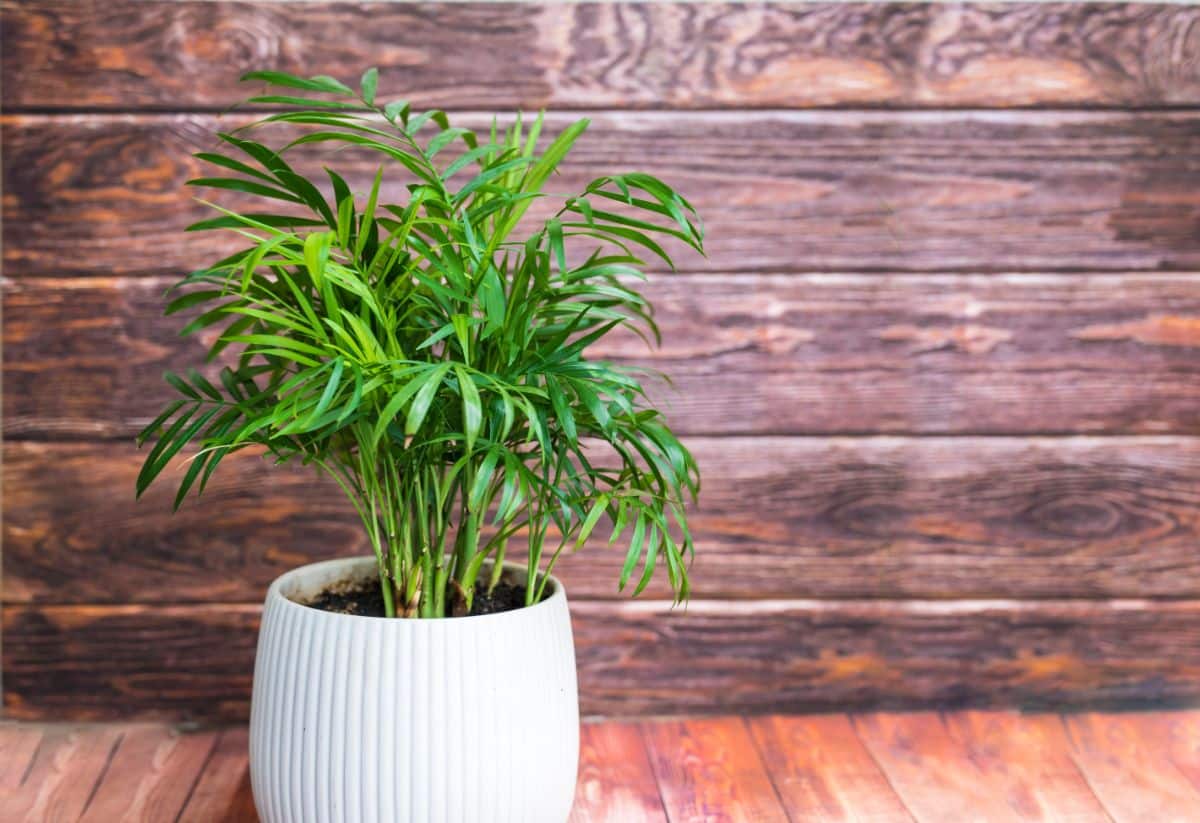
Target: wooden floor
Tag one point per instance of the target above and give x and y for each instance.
(956, 767)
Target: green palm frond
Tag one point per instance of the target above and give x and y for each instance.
(430, 355)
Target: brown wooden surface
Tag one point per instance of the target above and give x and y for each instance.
(710, 770)
(171, 56)
(779, 191)
(780, 518)
(616, 780)
(761, 354)
(18, 746)
(1028, 756)
(58, 777)
(974, 229)
(644, 658)
(981, 766)
(990, 766)
(1180, 740)
(149, 776)
(822, 771)
(1130, 770)
(221, 793)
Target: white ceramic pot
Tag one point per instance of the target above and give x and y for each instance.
(373, 720)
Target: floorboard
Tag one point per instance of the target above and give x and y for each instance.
(829, 768)
(616, 781)
(710, 769)
(1130, 770)
(222, 792)
(933, 772)
(150, 776)
(18, 747)
(1028, 758)
(1178, 733)
(62, 777)
(823, 772)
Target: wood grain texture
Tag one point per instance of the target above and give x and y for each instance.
(195, 661)
(822, 771)
(750, 354)
(779, 191)
(172, 663)
(616, 781)
(709, 769)
(19, 745)
(780, 517)
(936, 780)
(67, 768)
(1027, 757)
(150, 775)
(789, 656)
(179, 56)
(222, 792)
(1178, 733)
(1130, 770)
(904, 261)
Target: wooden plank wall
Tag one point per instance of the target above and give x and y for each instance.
(940, 370)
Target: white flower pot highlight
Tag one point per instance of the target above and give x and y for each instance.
(374, 720)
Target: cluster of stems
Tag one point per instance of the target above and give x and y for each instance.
(427, 538)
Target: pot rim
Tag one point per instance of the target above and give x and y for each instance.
(275, 592)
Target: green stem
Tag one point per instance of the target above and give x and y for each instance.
(497, 566)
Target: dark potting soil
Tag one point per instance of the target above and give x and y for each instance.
(364, 598)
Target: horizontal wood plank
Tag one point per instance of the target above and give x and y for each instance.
(751, 354)
(196, 661)
(789, 656)
(779, 191)
(181, 56)
(779, 517)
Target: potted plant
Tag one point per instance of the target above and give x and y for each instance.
(429, 357)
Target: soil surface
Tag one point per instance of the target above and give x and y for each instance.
(364, 598)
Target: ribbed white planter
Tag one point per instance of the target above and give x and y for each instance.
(371, 720)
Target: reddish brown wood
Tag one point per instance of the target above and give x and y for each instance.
(709, 769)
(1130, 769)
(779, 191)
(1178, 735)
(615, 780)
(150, 775)
(186, 55)
(1027, 757)
(97, 663)
(930, 771)
(780, 517)
(822, 771)
(18, 747)
(58, 784)
(222, 792)
(643, 658)
(754, 354)
(988, 765)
